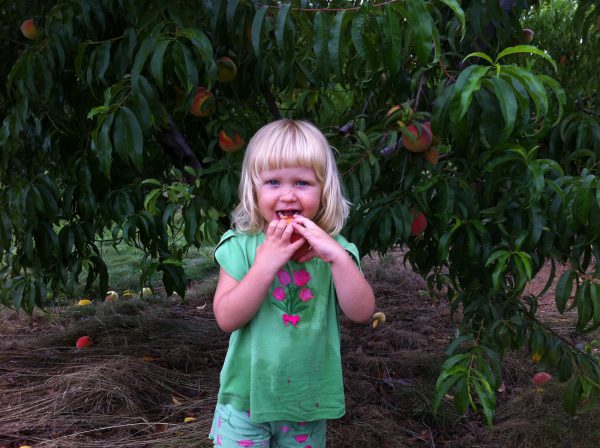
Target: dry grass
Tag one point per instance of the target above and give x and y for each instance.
(156, 362)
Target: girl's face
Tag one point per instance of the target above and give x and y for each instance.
(287, 192)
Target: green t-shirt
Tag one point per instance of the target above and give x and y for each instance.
(285, 363)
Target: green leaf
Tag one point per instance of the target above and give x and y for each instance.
(421, 24)
(365, 177)
(102, 61)
(104, 145)
(500, 255)
(392, 53)
(478, 54)
(534, 87)
(487, 398)
(358, 39)
(148, 46)
(472, 85)
(280, 23)
(257, 26)
(564, 287)
(127, 137)
(526, 49)
(571, 395)
(561, 96)
(204, 47)
(595, 299)
(335, 41)
(321, 43)
(460, 14)
(508, 104)
(583, 200)
(232, 6)
(156, 63)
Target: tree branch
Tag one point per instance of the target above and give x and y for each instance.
(175, 145)
(271, 103)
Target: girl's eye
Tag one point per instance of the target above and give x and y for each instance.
(272, 182)
(302, 183)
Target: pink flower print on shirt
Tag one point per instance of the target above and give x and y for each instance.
(245, 443)
(284, 278)
(284, 428)
(301, 438)
(219, 441)
(305, 294)
(290, 297)
(301, 278)
(279, 294)
(289, 319)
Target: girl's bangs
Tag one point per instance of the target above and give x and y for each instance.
(290, 149)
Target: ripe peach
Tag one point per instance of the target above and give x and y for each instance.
(29, 30)
(229, 144)
(226, 70)
(541, 378)
(419, 143)
(84, 342)
(528, 35)
(304, 249)
(204, 103)
(84, 302)
(419, 223)
(431, 155)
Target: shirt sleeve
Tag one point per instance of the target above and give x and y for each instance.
(350, 248)
(230, 256)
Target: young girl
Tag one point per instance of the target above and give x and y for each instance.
(284, 272)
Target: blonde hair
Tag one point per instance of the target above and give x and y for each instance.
(284, 144)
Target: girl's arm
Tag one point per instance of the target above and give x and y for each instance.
(236, 303)
(354, 293)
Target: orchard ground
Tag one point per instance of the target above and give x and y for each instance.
(150, 379)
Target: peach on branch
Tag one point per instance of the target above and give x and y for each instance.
(419, 223)
(111, 296)
(204, 103)
(230, 143)
(528, 35)
(226, 70)
(417, 138)
(146, 292)
(29, 30)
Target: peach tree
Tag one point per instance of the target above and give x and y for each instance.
(125, 121)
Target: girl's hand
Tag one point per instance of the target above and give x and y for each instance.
(277, 249)
(322, 244)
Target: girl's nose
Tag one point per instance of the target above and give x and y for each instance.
(288, 195)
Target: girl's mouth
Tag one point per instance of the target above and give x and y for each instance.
(288, 215)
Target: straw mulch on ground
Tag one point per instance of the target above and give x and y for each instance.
(151, 377)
